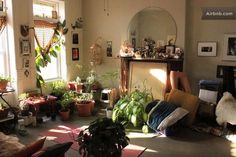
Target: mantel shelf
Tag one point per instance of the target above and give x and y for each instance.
(152, 59)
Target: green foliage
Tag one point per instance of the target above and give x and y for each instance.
(5, 78)
(58, 88)
(23, 96)
(131, 108)
(43, 55)
(109, 78)
(103, 138)
(67, 99)
(84, 98)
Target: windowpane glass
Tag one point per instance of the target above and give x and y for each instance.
(3, 53)
(42, 10)
(51, 71)
(44, 35)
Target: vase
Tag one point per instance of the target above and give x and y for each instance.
(84, 109)
(65, 115)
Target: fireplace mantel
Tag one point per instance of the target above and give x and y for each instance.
(172, 64)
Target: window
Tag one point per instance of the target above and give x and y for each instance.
(44, 9)
(44, 30)
(3, 54)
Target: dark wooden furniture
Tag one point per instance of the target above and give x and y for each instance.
(8, 124)
(172, 64)
(36, 101)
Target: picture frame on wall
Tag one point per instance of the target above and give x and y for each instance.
(1, 6)
(75, 54)
(109, 48)
(25, 47)
(207, 48)
(229, 48)
(75, 38)
(26, 63)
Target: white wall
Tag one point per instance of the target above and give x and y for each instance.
(20, 13)
(115, 26)
(73, 10)
(199, 68)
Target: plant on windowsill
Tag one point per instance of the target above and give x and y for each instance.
(103, 138)
(58, 88)
(44, 54)
(3, 82)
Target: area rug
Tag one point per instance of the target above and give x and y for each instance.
(68, 133)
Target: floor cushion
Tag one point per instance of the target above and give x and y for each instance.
(186, 101)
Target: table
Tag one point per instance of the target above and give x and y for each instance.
(12, 117)
(36, 101)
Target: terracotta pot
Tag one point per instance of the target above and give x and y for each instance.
(65, 115)
(3, 85)
(85, 109)
(72, 85)
(79, 88)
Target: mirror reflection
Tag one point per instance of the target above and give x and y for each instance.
(151, 28)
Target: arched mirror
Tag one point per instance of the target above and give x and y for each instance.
(154, 24)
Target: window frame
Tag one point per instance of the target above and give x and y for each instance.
(55, 5)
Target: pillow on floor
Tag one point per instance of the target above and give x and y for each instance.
(164, 114)
(54, 150)
(186, 101)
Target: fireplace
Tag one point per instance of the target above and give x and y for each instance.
(154, 72)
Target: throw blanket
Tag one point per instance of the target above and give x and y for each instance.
(164, 114)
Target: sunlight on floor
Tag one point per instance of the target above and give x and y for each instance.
(151, 151)
(232, 138)
(60, 131)
(140, 135)
(51, 138)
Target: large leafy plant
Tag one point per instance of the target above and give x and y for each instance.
(131, 108)
(43, 54)
(103, 138)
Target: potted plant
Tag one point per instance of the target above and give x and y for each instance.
(85, 104)
(67, 104)
(58, 88)
(3, 82)
(131, 108)
(103, 138)
(3, 111)
(24, 106)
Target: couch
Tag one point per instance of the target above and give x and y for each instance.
(11, 147)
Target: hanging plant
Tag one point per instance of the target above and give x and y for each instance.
(43, 54)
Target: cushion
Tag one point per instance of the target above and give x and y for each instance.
(175, 116)
(54, 150)
(186, 101)
(164, 114)
(208, 95)
(30, 149)
(9, 144)
(206, 111)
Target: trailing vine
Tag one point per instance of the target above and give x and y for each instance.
(43, 54)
